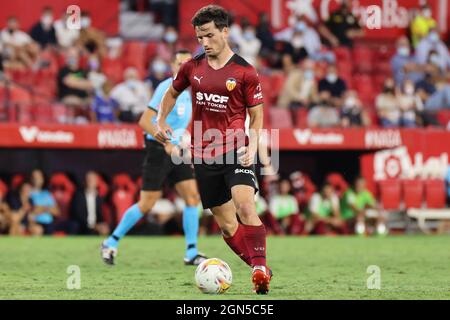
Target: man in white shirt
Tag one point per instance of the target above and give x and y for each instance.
(18, 45)
(132, 96)
(66, 37)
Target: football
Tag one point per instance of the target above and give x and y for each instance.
(213, 276)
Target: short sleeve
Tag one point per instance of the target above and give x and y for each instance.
(252, 89)
(181, 79)
(158, 95)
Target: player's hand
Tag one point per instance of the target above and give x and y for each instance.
(246, 156)
(172, 149)
(163, 133)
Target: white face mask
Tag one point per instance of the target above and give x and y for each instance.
(427, 13)
(404, 51)
(85, 22)
(159, 67)
(332, 77)
(434, 36)
(350, 102)
(297, 42)
(409, 90)
(47, 20)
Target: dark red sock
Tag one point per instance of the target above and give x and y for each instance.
(255, 238)
(237, 244)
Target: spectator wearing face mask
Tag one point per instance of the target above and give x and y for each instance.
(434, 89)
(300, 87)
(158, 73)
(334, 85)
(387, 106)
(264, 34)
(422, 24)
(249, 45)
(43, 31)
(66, 37)
(410, 105)
(73, 86)
(167, 47)
(433, 43)
(104, 107)
(132, 96)
(95, 75)
(91, 39)
(352, 111)
(404, 64)
(323, 114)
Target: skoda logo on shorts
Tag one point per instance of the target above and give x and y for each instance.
(247, 171)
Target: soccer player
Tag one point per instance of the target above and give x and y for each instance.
(158, 166)
(225, 88)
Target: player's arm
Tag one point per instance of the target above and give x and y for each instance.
(167, 103)
(146, 123)
(256, 123)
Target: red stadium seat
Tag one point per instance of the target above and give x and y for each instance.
(113, 69)
(17, 180)
(102, 187)
(435, 193)
(390, 194)
(280, 118)
(124, 182)
(122, 200)
(62, 189)
(413, 192)
(301, 118)
(342, 54)
(443, 116)
(363, 59)
(338, 182)
(135, 56)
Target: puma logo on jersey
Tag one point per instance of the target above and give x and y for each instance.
(211, 97)
(198, 79)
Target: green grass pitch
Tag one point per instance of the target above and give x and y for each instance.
(412, 267)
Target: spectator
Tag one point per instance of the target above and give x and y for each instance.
(410, 104)
(86, 208)
(73, 86)
(323, 114)
(94, 74)
(325, 213)
(43, 31)
(284, 205)
(5, 216)
(344, 26)
(334, 85)
(132, 96)
(352, 111)
(387, 105)
(404, 64)
(104, 108)
(18, 45)
(303, 41)
(433, 44)
(20, 203)
(422, 24)
(91, 39)
(358, 205)
(264, 34)
(44, 209)
(66, 37)
(434, 90)
(300, 87)
(164, 214)
(249, 45)
(167, 47)
(158, 73)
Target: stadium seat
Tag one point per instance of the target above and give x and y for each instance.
(113, 69)
(342, 54)
(338, 182)
(413, 193)
(390, 194)
(301, 118)
(16, 181)
(443, 116)
(62, 189)
(280, 118)
(435, 193)
(124, 182)
(122, 200)
(103, 188)
(135, 56)
(362, 56)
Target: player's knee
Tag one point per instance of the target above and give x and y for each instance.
(146, 204)
(246, 210)
(192, 200)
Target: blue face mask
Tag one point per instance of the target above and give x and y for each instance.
(248, 35)
(170, 37)
(434, 36)
(300, 26)
(308, 74)
(404, 51)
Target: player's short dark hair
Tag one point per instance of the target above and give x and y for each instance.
(180, 51)
(214, 13)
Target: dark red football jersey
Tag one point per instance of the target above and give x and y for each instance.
(219, 100)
